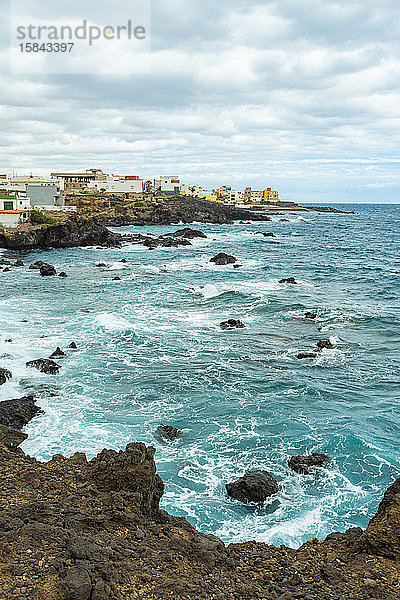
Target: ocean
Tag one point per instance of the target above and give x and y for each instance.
(151, 350)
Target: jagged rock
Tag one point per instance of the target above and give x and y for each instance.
(302, 464)
(6, 270)
(223, 259)
(44, 365)
(165, 242)
(47, 270)
(310, 315)
(36, 265)
(18, 412)
(232, 324)
(116, 278)
(303, 355)
(11, 438)
(62, 274)
(324, 345)
(167, 432)
(264, 234)
(58, 353)
(101, 264)
(73, 345)
(254, 486)
(123, 260)
(5, 374)
(18, 263)
(188, 233)
(77, 584)
(288, 280)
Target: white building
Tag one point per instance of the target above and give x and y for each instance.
(118, 184)
(170, 183)
(14, 210)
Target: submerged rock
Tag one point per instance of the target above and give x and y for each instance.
(44, 365)
(47, 270)
(5, 374)
(303, 355)
(58, 353)
(223, 259)
(101, 265)
(167, 432)
(302, 464)
(116, 278)
(36, 265)
(73, 345)
(324, 345)
(232, 324)
(62, 274)
(288, 280)
(18, 412)
(254, 486)
(310, 315)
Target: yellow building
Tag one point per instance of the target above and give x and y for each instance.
(270, 195)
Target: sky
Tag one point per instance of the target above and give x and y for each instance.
(303, 97)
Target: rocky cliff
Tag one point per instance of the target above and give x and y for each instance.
(72, 529)
(75, 231)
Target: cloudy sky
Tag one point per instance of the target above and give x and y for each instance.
(299, 96)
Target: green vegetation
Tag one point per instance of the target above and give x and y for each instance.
(37, 218)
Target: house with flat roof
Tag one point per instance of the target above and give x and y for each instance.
(14, 210)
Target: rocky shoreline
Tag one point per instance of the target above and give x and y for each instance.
(73, 529)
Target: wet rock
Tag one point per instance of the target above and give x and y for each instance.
(73, 345)
(223, 259)
(58, 353)
(188, 233)
(237, 266)
(5, 375)
(269, 234)
(310, 315)
(254, 486)
(324, 345)
(232, 324)
(18, 263)
(18, 412)
(101, 265)
(47, 270)
(11, 438)
(302, 464)
(165, 242)
(167, 432)
(62, 274)
(44, 365)
(6, 270)
(123, 260)
(116, 278)
(303, 355)
(36, 265)
(288, 280)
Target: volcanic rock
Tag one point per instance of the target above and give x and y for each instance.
(302, 464)
(288, 280)
(324, 345)
(188, 233)
(36, 265)
(44, 365)
(223, 259)
(303, 355)
(73, 345)
(47, 270)
(254, 486)
(58, 353)
(167, 432)
(17, 413)
(310, 315)
(5, 374)
(62, 274)
(232, 324)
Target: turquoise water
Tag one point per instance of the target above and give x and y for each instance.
(150, 350)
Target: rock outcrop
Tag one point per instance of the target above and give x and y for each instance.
(44, 365)
(223, 259)
(167, 432)
(18, 412)
(254, 486)
(232, 324)
(76, 231)
(302, 464)
(5, 375)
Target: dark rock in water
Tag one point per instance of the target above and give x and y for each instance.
(284, 220)
(101, 265)
(5, 375)
(36, 265)
(36, 388)
(232, 324)
(11, 438)
(310, 315)
(223, 259)
(18, 263)
(324, 345)
(254, 486)
(167, 432)
(6, 270)
(47, 270)
(8, 341)
(188, 233)
(306, 355)
(116, 278)
(58, 353)
(166, 241)
(264, 234)
(17, 413)
(44, 365)
(237, 266)
(302, 464)
(123, 260)
(288, 280)
(73, 345)
(62, 274)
